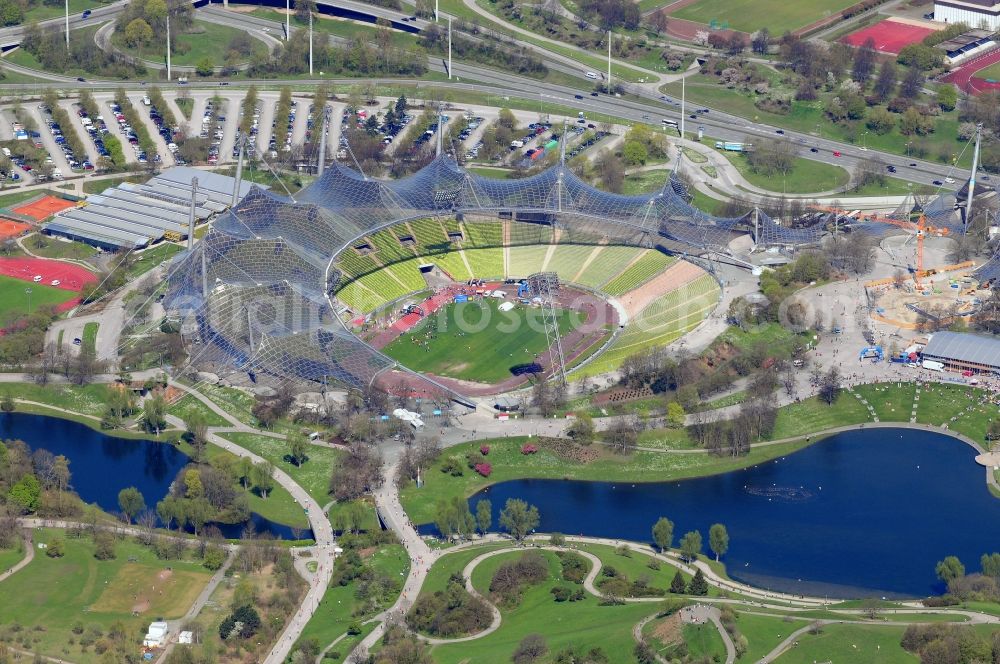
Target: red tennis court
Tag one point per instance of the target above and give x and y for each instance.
(890, 36)
(9, 228)
(71, 277)
(44, 207)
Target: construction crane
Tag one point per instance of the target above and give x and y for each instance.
(920, 228)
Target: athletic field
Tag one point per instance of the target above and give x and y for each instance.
(475, 341)
(14, 301)
(752, 15)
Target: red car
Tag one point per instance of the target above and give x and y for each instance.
(836, 153)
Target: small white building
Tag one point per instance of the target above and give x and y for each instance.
(156, 635)
(185, 638)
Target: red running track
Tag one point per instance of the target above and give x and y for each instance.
(429, 306)
(964, 77)
(890, 36)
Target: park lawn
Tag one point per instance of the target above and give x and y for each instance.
(805, 177)
(14, 300)
(812, 415)
(486, 333)
(763, 634)
(55, 593)
(704, 202)
(809, 117)
(636, 565)
(645, 182)
(50, 247)
(508, 463)
(704, 641)
(849, 643)
(8, 201)
(147, 259)
(891, 187)
(313, 475)
(892, 402)
(85, 399)
(12, 556)
(939, 403)
(89, 339)
(188, 406)
(780, 339)
(584, 624)
(186, 105)
(667, 439)
(336, 610)
(206, 41)
(752, 15)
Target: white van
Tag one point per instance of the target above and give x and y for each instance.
(591, 75)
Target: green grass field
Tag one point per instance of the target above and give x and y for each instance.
(991, 73)
(14, 300)
(470, 342)
(89, 339)
(39, 11)
(752, 15)
(50, 247)
(805, 177)
(645, 182)
(55, 593)
(207, 40)
(876, 644)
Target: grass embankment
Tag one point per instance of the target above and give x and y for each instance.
(54, 594)
(805, 176)
(89, 338)
(809, 118)
(50, 247)
(205, 41)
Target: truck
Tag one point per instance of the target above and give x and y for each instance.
(732, 147)
(517, 144)
(932, 365)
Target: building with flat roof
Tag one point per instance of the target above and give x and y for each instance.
(959, 351)
(982, 14)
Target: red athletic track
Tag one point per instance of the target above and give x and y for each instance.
(890, 36)
(964, 77)
(429, 306)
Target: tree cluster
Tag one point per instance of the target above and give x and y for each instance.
(35, 482)
(450, 612)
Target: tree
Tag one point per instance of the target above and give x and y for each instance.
(131, 502)
(912, 82)
(452, 517)
(154, 414)
(634, 153)
(677, 584)
(529, 649)
(303, 8)
(691, 545)
(298, 448)
(197, 435)
(26, 493)
(880, 121)
(104, 545)
(829, 386)
(761, 41)
(56, 548)
(947, 97)
(675, 414)
(718, 540)
(949, 569)
(7, 404)
(885, 83)
(138, 33)
(864, 62)
(204, 67)
(263, 477)
(484, 515)
(518, 518)
(582, 429)
(663, 533)
(698, 585)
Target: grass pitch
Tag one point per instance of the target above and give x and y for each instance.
(14, 301)
(752, 15)
(475, 341)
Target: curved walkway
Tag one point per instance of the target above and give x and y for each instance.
(29, 555)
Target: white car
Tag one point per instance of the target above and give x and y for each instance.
(55, 282)
(950, 180)
(37, 278)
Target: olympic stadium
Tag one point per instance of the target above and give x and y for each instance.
(306, 287)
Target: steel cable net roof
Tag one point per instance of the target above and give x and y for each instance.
(254, 291)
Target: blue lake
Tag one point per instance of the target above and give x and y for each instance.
(862, 513)
(103, 465)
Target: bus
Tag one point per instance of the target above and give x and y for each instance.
(672, 124)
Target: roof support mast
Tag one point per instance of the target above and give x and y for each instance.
(972, 180)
